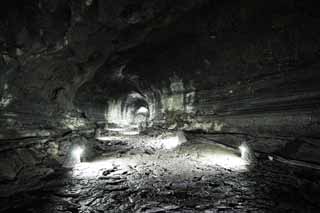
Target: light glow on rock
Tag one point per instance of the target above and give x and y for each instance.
(243, 150)
(111, 138)
(124, 131)
(224, 160)
(77, 152)
(115, 129)
(170, 142)
(96, 168)
(91, 169)
(128, 132)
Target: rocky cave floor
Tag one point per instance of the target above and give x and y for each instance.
(190, 178)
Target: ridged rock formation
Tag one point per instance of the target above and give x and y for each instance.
(225, 71)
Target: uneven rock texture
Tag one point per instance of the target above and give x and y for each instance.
(223, 72)
(247, 67)
(25, 163)
(177, 181)
(50, 48)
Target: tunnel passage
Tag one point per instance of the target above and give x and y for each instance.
(159, 106)
(141, 116)
(132, 109)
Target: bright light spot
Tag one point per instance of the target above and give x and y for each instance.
(124, 131)
(170, 142)
(77, 152)
(229, 161)
(243, 149)
(115, 129)
(142, 110)
(130, 132)
(111, 138)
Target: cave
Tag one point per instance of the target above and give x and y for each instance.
(159, 106)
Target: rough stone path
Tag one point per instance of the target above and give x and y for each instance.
(178, 181)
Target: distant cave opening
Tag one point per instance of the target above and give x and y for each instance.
(141, 116)
(131, 110)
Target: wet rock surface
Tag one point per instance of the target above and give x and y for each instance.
(184, 179)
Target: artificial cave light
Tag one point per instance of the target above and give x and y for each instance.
(77, 153)
(170, 142)
(243, 150)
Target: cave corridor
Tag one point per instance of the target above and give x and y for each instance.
(159, 106)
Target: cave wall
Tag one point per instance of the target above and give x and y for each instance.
(246, 67)
(251, 70)
(50, 48)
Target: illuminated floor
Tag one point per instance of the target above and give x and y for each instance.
(192, 178)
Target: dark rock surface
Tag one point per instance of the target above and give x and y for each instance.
(242, 66)
(224, 72)
(181, 180)
(24, 163)
(249, 67)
